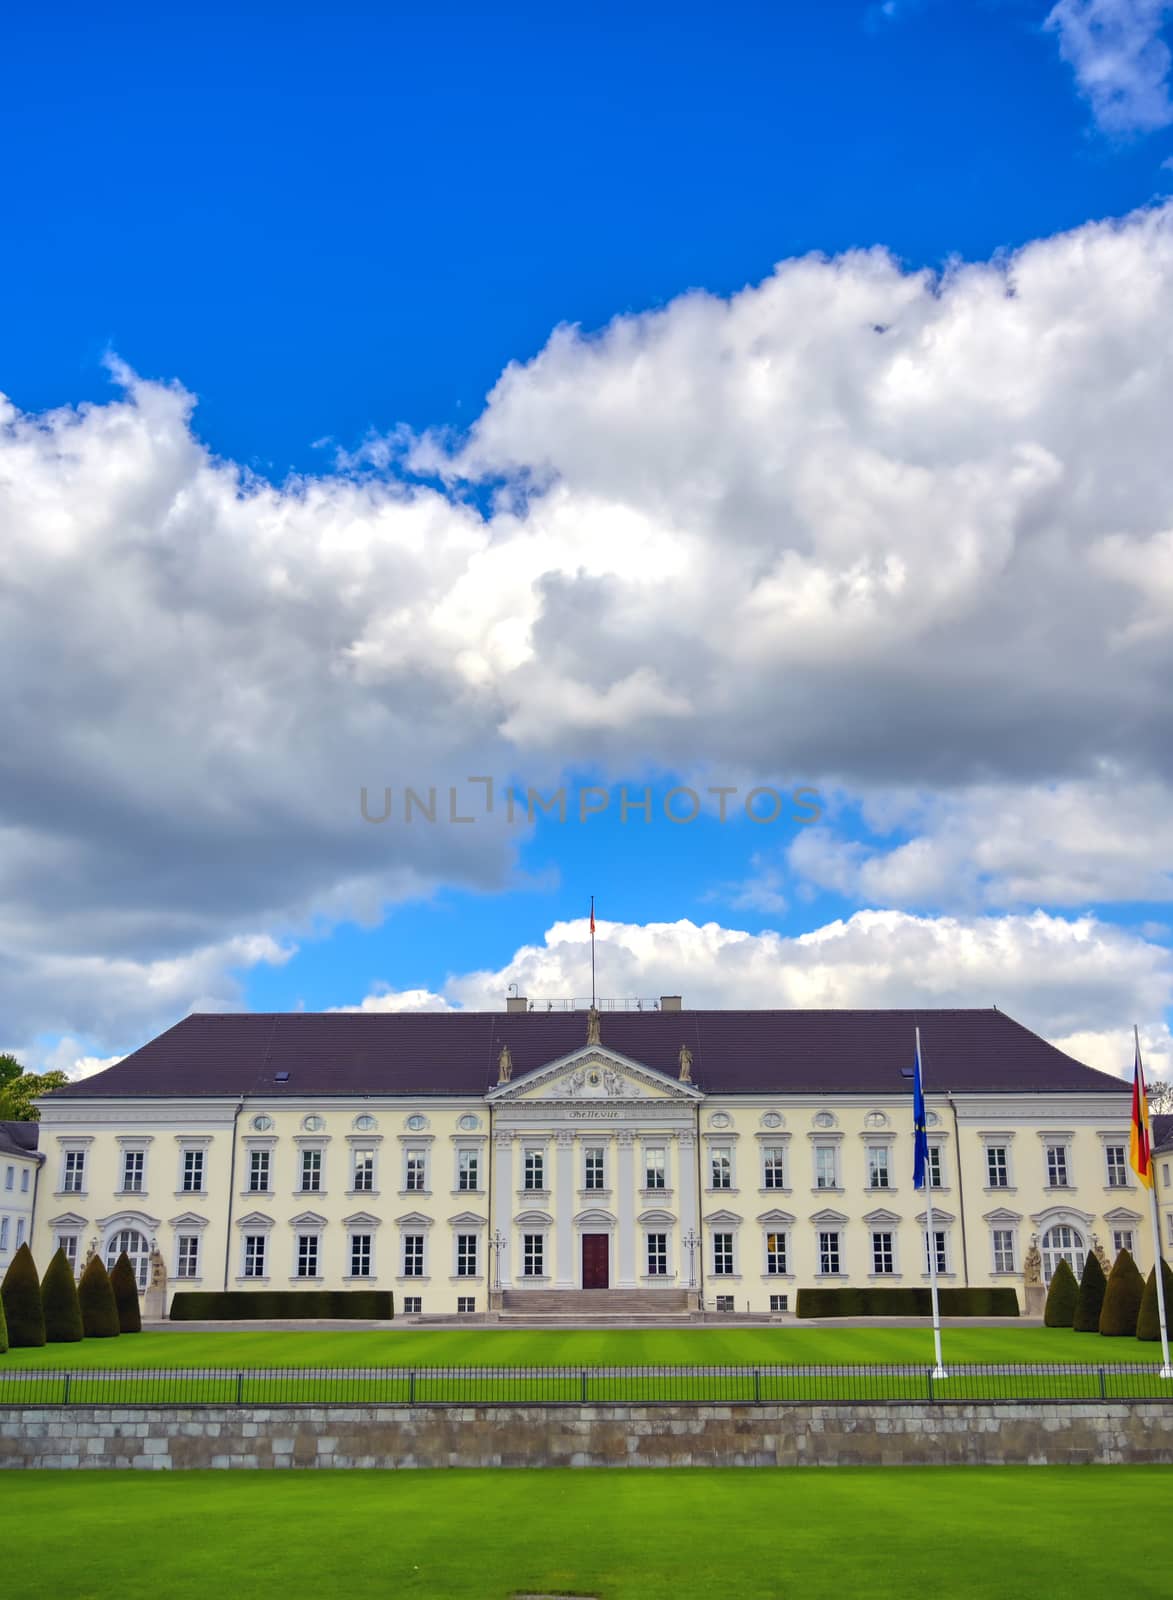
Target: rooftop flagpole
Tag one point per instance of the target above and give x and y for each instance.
(923, 1178)
(592, 952)
(1141, 1161)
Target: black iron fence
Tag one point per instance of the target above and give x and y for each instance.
(602, 1385)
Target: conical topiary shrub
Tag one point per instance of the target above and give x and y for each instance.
(1148, 1322)
(3, 1328)
(99, 1312)
(21, 1293)
(1091, 1296)
(1121, 1305)
(59, 1299)
(1061, 1297)
(125, 1286)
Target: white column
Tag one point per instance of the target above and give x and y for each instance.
(564, 1213)
(503, 1204)
(688, 1209)
(625, 1196)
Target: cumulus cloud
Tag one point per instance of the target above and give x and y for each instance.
(1075, 981)
(1120, 61)
(854, 524)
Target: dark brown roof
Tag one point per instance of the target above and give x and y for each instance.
(19, 1138)
(455, 1052)
(1162, 1131)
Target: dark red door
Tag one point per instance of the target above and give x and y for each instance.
(594, 1260)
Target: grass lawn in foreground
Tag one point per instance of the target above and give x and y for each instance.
(1013, 1533)
(481, 1346)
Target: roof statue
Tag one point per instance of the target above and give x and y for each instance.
(593, 1026)
(504, 1065)
(685, 1064)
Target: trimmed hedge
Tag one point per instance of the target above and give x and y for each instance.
(125, 1286)
(1059, 1311)
(1148, 1322)
(1122, 1298)
(99, 1311)
(21, 1293)
(63, 1323)
(873, 1302)
(1091, 1296)
(281, 1305)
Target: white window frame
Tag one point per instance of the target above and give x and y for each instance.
(533, 1254)
(407, 1257)
(775, 1178)
(883, 1252)
(197, 1155)
(879, 1158)
(311, 1237)
(995, 1169)
(655, 1168)
(192, 1242)
(723, 1252)
(259, 1155)
(1115, 1148)
(260, 1235)
(829, 1247)
(133, 1175)
(70, 1243)
(658, 1255)
(721, 1179)
(355, 1251)
(1123, 1239)
(415, 1169)
(468, 1247)
(74, 1169)
(936, 1167)
(533, 1169)
(468, 1160)
(364, 1162)
(1060, 1149)
(311, 1163)
(1003, 1256)
(944, 1255)
(826, 1153)
(773, 1270)
(594, 1169)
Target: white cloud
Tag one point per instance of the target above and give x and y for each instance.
(1120, 61)
(1074, 981)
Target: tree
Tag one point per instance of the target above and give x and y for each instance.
(18, 1089)
(1091, 1296)
(99, 1311)
(1061, 1297)
(1160, 1094)
(1148, 1322)
(1121, 1305)
(125, 1286)
(59, 1299)
(21, 1293)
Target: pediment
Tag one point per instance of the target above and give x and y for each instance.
(722, 1216)
(67, 1219)
(1001, 1217)
(307, 1219)
(938, 1216)
(776, 1218)
(593, 1073)
(254, 1219)
(413, 1219)
(1122, 1217)
(131, 1219)
(466, 1219)
(362, 1219)
(881, 1218)
(828, 1217)
(656, 1219)
(188, 1219)
(533, 1219)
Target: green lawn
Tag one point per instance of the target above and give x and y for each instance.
(480, 1346)
(1009, 1532)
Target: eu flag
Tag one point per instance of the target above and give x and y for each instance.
(919, 1130)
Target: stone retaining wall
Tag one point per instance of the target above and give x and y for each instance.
(585, 1436)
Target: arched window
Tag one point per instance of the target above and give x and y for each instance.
(1063, 1244)
(137, 1248)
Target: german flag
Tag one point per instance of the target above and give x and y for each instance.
(1140, 1152)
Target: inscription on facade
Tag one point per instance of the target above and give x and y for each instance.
(590, 1114)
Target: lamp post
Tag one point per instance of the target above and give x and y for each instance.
(496, 1245)
(690, 1242)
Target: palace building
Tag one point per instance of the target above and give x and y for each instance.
(646, 1157)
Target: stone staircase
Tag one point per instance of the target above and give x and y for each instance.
(594, 1303)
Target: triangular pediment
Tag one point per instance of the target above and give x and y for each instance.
(595, 1073)
(307, 1219)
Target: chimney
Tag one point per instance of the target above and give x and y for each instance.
(516, 1002)
(670, 1002)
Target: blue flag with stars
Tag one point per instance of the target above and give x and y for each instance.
(919, 1130)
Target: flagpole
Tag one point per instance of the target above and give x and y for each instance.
(592, 952)
(939, 1371)
(1166, 1367)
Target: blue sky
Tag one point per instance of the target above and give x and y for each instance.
(299, 246)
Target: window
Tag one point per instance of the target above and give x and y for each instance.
(307, 1255)
(724, 1302)
(1169, 1229)
(9, 1177)
(721, 1168)
(878, 1167)
(468, 1170)
(1003, 1250)
(258, 1172)
(532, 1255)
(997, 1167)
(73, 1180)
(311, 1171)
(657, 1255)
(594, 1167)
(415, 1177)
(68, 1243)
(1063, 1244)
(828, 1253)
(774, 1167)
(939, 1239)
(360, 1255)
(1057, 1166)
(465, 1305)
(254, 1255)
(133, 1163)
(723, 1255)
(19, 1232)
(534, 1169)
(775, 1253)
(24, 1181)
(136, 1247)
(936, 1172)
(779, 1302)
(1114, 1155)
(883, 1256)
(3, 1233)
(412, 1305)
(826, 1167)
(188, 1262)
(466, 1255)
(655, 1169)
(192, 1181)
(363, 1180)
(1122, 1240)
(413, 1255)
